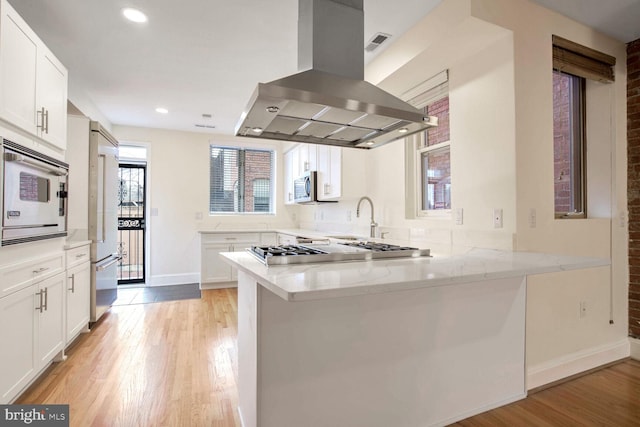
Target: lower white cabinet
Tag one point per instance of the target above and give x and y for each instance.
(77, 291)
(31, 331)
(78, 300)
(214, 272)
(49, 312)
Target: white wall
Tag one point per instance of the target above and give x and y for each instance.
(178, 185)
(499, 56)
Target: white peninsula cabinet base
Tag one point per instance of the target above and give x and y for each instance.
(418, 357)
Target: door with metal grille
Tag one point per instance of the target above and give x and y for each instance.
(131, 223)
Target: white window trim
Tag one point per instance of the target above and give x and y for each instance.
(428, 213)
(427, 92)
(242, 146)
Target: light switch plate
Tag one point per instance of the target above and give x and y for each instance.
(459, 216)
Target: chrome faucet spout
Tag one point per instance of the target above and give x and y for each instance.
(373, 224)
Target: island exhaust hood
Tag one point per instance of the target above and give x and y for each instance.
(330, 103)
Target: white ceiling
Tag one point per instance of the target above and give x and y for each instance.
(199, 57)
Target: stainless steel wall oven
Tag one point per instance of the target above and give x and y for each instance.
(34, 194)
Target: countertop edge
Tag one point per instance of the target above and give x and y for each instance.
(244, 262)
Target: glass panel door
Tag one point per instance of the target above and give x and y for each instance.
(131, 223)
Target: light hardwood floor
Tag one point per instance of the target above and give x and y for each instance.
(175, 364)
(163, 364)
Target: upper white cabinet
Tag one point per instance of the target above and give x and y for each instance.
(326, 160)
(329, 184)
(290, 173)
(33, 83)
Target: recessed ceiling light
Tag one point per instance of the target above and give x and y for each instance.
(134, 15)
(403, 130)
(257, 130)
(162, 110)
(370, 142)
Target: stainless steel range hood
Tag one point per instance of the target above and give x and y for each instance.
(330, 103)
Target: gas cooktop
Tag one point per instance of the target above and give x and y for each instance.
(334, 252)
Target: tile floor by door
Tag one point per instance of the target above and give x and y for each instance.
(128, 295)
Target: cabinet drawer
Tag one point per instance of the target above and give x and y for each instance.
(25, 273)
(77, 255)
(231, 238)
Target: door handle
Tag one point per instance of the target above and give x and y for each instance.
(73, 283)
(106, 265)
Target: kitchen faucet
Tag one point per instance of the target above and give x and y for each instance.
(373, 224)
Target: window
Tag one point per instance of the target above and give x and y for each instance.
(568, 144)
(433, 159)
(241, 181)
(575, 67)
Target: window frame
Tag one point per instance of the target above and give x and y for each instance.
(433, 89)
(272, 179)
(578, 148)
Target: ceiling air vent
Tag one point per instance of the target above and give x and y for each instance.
(376, 41)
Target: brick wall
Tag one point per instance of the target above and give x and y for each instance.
(633, 183)
(561, 143)
(440, 133)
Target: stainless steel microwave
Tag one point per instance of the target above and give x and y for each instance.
(34, 194)
(304, 188)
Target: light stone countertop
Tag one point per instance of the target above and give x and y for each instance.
(76, 244)
(300, 282)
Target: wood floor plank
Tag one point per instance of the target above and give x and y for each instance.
(175, 364)
(163, 364)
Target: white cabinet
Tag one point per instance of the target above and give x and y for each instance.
(33, 83)
(31, 330)
(307, 158)
(287, 239)
(18, 363)
(290, 173)
(216, 273)
(329, 185)
(78, 292)
(326, 160)
(50, 318)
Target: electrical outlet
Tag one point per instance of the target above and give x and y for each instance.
(532, 218)
(622, 219)
(497, 218)
(348, 216)
(459, 216)
(198, 216)
(583, 309)
(294, 216)
(321, 216)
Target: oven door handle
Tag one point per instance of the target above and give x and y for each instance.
(19, 158)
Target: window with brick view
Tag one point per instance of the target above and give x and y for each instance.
(241, 181)
(435, 159)
(573, 65)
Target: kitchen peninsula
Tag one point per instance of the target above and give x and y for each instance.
(402, 342)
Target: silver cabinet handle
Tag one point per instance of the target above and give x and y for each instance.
(40, 270)
(41, 115)
(73, 283)
(80, 256)
(46, 121)
(46, 299)
(231, 238)
(41, 307)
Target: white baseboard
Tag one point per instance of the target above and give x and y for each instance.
(219, 285)
(571, 364)
(173, 279)
(635, 348)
